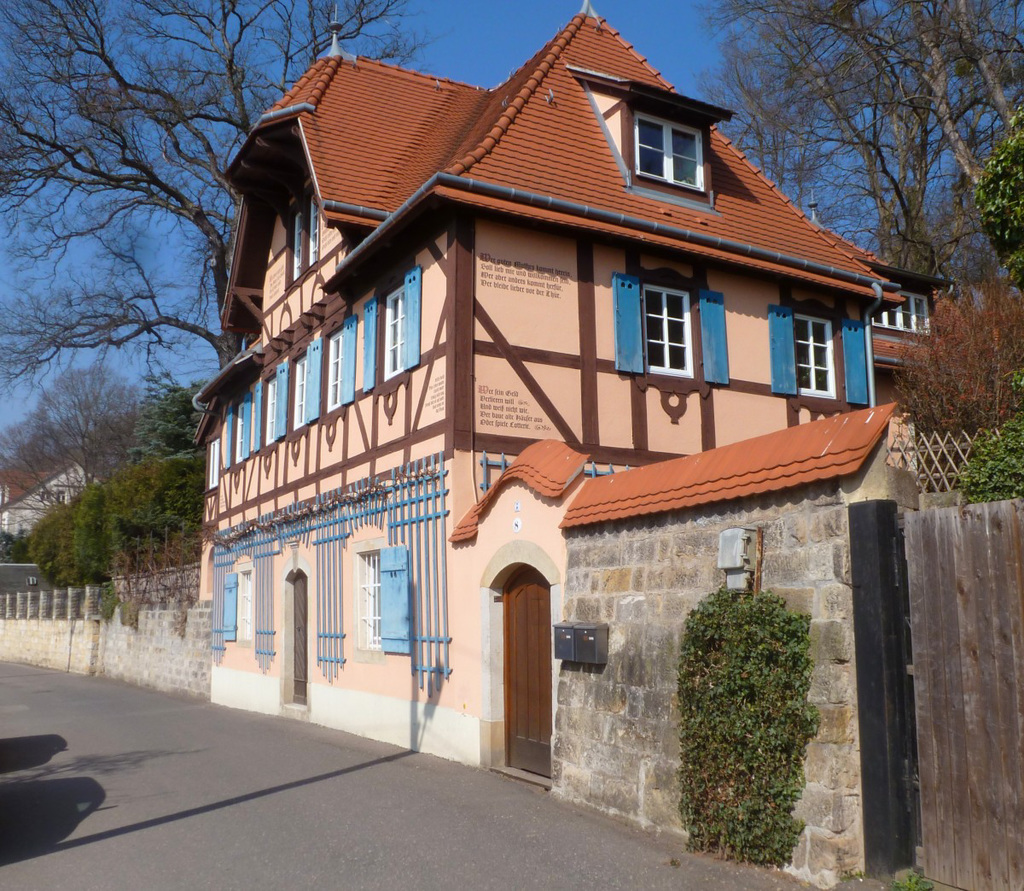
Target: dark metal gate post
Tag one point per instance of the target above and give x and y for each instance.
(888, 744)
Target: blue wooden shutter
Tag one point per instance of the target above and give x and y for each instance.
(349, 328)
(230, 623)
(370, 344)
(413, 301)
(257, 417)
(395, 599)
(713, 337)
(229, 439)
(314, 367)
(629, 342)
(783, 349)
(855, 361)
(281, 422)
(246, 426)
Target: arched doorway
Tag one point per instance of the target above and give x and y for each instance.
(300, 659)
(527, 601)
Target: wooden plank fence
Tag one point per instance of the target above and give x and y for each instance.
(966, 576)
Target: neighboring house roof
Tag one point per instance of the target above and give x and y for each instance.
(18, 577)
(548, 467)
(381, 140)
(820, 450)
(15, 483)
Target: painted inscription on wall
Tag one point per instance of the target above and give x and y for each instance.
(434, 401)
(507, 409)
(520, 277)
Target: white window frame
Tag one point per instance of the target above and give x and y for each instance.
(297, 227)
(687, 344)
(270, 424)
(314, 232)
(369, 601)
(245, 593)
(812, 349)
(301, 371)
(667, 157)
(239, 430)
(395, 333)
(912, 315)
(213, 475)
(335, 361)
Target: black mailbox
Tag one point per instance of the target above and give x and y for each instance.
(565, 641)
(591, 642)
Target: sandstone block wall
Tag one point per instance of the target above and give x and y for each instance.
(616, 744)
(157, 654)
(63, 644)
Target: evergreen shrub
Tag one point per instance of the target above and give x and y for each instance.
(744, 674)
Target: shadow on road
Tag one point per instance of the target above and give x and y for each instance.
(53, 843)
(24, 752)
(36, 815)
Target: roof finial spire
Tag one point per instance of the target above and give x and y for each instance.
(588, 9)
(813, 205)
(336, 51)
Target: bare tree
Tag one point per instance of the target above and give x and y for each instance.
(886, 110)
(117, 121)
(83, 424)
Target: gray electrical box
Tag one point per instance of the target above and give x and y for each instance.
(736, 556)
(565, 641)
(591, 642)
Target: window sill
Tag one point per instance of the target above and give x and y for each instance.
(370, 657)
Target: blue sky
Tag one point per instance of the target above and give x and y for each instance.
(482, 42)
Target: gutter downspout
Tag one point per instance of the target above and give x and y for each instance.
(869, 342)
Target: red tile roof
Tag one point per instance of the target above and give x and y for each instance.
(820, 450)
(548, 467)
(376, 133)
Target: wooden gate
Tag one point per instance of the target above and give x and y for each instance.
(966, 576)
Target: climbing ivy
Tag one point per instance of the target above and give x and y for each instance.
(744, 673)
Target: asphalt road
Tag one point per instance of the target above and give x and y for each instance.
(107, 786)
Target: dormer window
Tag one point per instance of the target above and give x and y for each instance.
(297, 231)
(669, 152)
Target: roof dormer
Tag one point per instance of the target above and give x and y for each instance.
(660, 139)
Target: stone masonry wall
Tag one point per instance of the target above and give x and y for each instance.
(169, 651)
(616, 744)
(156, 654)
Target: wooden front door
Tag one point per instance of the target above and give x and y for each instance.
(301, 608)
(528, 673)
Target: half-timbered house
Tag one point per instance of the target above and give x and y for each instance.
(575, 269)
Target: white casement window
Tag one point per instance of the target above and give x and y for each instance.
(271, 414)
(335, 356)
(239, 431)
(299, 415)
(297, 226)
(394, 334)
(213, 477)
(245, 605)
(669, 152)
(667, 319)
(314, 232)
(369, 600)
(814, 366)
(911, 316)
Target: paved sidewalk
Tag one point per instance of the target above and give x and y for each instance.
(106, 786)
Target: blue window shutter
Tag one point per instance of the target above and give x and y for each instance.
(370, 344)
(314, 368)
(257, 416)
(246, 426)
(395, 599)
(413, 301)
(281, 422)
(783, 349)
(230, 624)
(713, 337)
(629, 343)
(349, 328)
(229, 440)
(855, 361)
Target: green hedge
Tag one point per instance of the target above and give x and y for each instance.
(744, 673)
